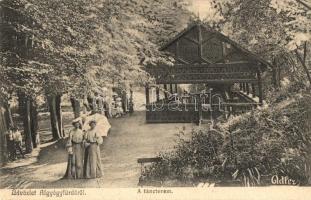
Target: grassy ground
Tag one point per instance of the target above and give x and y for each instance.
(130, 138)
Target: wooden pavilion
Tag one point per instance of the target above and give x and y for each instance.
(204, 56)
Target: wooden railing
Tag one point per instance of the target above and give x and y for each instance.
(168, 113)
(191, 113)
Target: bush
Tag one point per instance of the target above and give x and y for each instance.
(192, 159)
(250, 148)
(273, 141)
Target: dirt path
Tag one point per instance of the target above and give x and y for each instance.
(130, 138)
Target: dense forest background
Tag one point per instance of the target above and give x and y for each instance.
(51, 48)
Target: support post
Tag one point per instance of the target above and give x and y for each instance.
(176, 88)
(131, 104)
(244, 87)
(171, 88)
(253, 90)
(147, 94)
(241, 86)
(200, 110)
(247, 88)
(165, 93)
(158, 94)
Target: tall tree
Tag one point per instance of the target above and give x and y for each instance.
(76, 47)
(270, 28)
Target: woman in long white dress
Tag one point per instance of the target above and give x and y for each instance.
(75, 152)
(92, 162)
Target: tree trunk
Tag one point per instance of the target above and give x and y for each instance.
(34, 124)
(3, 140)
(58, 100)
(304, 4)
(274, 74)
(8, 115)
(75, 107)
(53, 116)
(25, 103)
(279, 75)
(303, 63)
(260, 87)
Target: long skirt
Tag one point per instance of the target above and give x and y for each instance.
(75, 162)
(92, 163)
(11, 149)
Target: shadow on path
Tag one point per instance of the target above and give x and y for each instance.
(130, 138)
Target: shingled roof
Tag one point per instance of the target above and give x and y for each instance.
(220, 36)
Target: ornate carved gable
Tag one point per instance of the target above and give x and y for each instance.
(200, 44)
(206, 56)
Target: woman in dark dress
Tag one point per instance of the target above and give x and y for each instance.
(11, 144)
(75, 152)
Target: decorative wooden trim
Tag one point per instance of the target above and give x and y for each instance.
(221, 37)
(191, 40)
(200, 73)
(177, 49)
(226, 56)
(209, 38)
(223, 51)
(182, 60)
(189, 28)
(209, 65)
(200, 41)
(196, 81)
(206, 60)
(201, 47)
(240, 104)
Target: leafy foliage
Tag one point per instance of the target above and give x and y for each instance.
(264, 25)
(196, 158)
(80, 46)
(249, 149)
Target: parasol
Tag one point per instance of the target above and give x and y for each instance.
(102, 124)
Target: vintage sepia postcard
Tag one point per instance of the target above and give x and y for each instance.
(155, 99)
